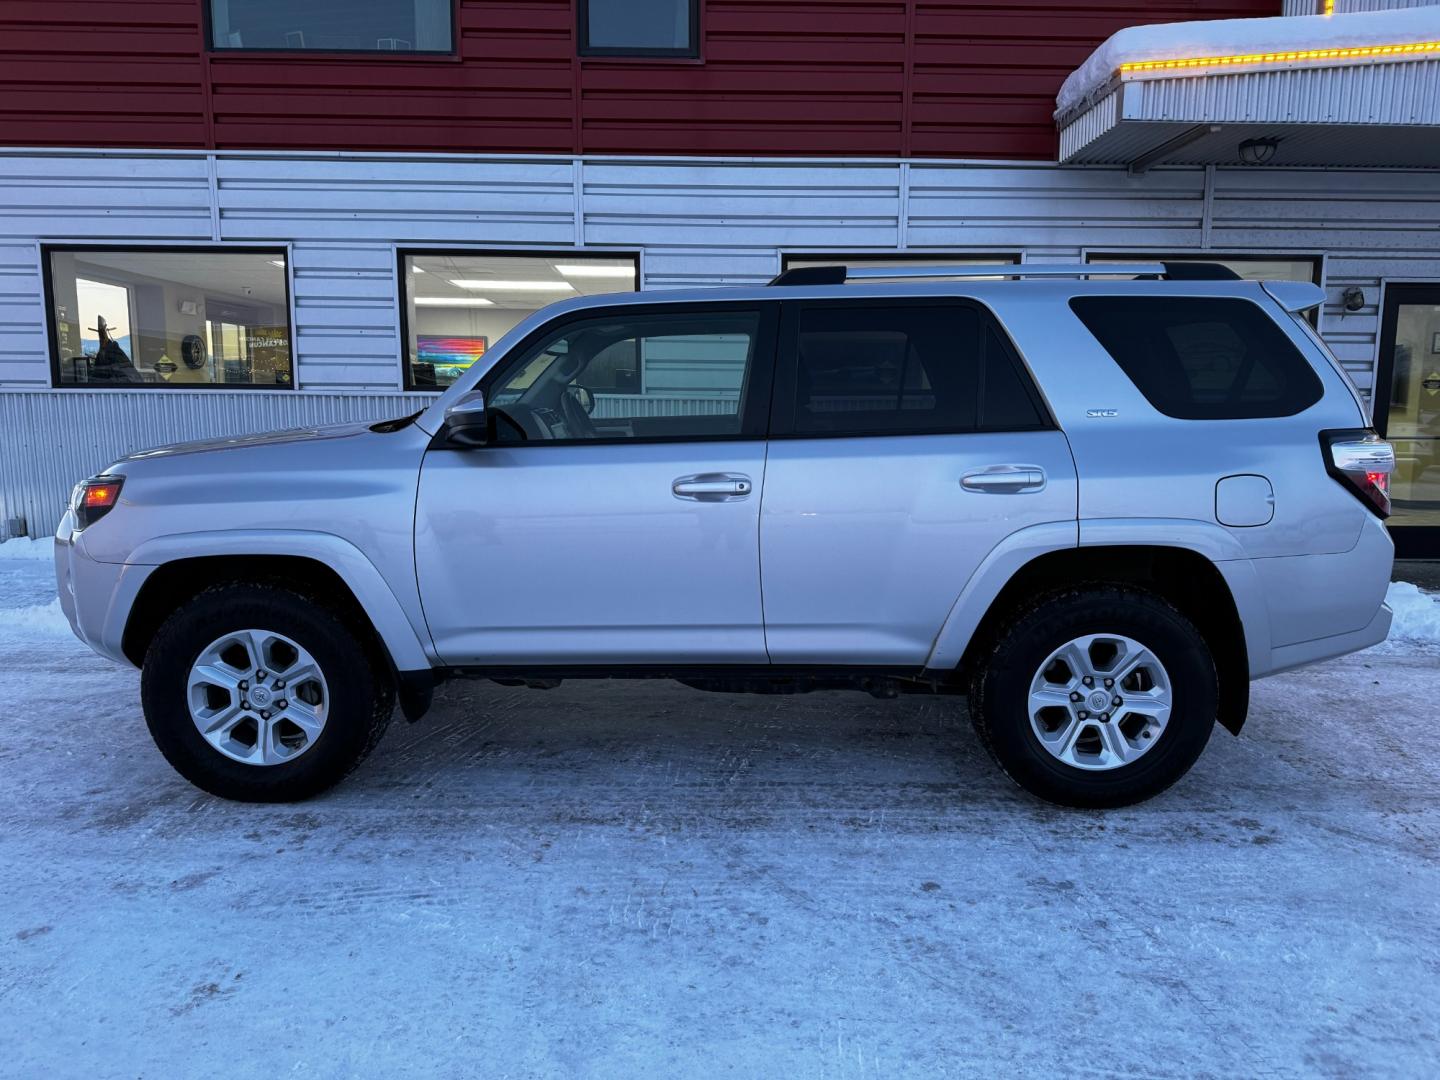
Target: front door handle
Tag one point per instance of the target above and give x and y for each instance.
(712, 487)
(1005, 479)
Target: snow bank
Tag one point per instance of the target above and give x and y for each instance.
(1232, 37)
(41, 620)
(42, 550)
(1417, 613)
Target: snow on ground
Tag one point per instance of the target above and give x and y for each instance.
(626, 879)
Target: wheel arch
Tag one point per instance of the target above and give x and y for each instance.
(319, 564)
(1184, 577)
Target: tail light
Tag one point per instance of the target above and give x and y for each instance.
(94, 498)
(1362, 462)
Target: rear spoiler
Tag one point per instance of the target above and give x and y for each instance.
(1295, 296)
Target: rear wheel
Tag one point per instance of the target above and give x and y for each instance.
(257, 693)
(1096, 697)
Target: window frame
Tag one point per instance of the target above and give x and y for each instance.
(583, 48)
(784, 401)
(53, 345)
(920, 258)
(407, 382)
(211, 49)
(1316, 259)
(755, 399)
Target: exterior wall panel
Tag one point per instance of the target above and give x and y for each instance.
(884, 78)
(695, 222)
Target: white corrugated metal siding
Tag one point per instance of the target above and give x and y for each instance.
(695, 222)
(48, 441)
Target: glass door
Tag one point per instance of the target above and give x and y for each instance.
(1407, 412)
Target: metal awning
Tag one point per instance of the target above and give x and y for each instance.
(1344, 90)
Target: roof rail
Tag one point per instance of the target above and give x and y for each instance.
(1173, 271)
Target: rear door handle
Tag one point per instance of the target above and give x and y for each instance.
(712, 487)
(1004, 479)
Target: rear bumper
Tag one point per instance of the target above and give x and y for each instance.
(1287, 657)
(95, 596)
(1322, 606)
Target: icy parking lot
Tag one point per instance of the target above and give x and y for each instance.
(631, 879)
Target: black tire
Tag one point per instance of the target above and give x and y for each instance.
(362, 696)
(999, 693)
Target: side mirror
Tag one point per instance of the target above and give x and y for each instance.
(466, 422)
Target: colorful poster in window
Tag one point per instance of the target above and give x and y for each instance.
(450, 355)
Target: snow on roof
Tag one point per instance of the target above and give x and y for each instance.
(1235, 37)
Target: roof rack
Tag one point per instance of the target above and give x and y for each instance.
(1173, 271)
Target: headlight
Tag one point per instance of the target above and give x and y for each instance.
(94, 498)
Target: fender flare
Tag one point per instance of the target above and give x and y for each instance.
(1012, 554)
(409, 646)
(995, 571)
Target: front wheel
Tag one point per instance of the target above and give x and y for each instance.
(1096, 697)
(258, 693)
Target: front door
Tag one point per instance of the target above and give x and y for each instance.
(907, 442)
(614, 516)
(1407, 412)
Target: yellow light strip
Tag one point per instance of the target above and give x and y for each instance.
(1353, 53)
(1328, 8)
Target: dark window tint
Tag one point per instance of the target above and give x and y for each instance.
(874, 370)
(1202, 358)
(1006, 403)
(332, 25)
(638, 27)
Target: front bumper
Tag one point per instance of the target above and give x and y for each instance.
(95, 596)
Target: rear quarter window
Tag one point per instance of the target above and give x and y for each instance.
(1202, 358)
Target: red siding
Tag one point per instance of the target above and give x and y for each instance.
(933, 78)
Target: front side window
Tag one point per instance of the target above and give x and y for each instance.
(1202, 358)
(332, 25)
(639, 28)
(458, 304)
(681, 374)
(878, 369)
(189, 318)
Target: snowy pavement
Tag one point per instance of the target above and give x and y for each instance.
(629, 879)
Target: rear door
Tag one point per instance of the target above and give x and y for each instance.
(907, 441)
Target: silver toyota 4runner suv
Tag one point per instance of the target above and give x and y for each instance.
(1094, 507)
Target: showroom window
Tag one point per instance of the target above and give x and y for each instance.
(937, 258)
(407, 26)
(640, 28)
(197, 317)
(1249, 267)
(459, 303)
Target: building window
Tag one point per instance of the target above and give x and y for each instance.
(167, 317)
(407, 26)
(871, 258)
(1249, 267)
(458, 303)
(640, 28)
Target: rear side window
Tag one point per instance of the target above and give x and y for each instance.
(879, 369)
(1202, 358)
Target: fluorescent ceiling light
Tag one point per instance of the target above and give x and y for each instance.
(513, 286)
(417, 269)
(595, 270)
(453, 301)
(278, 262)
